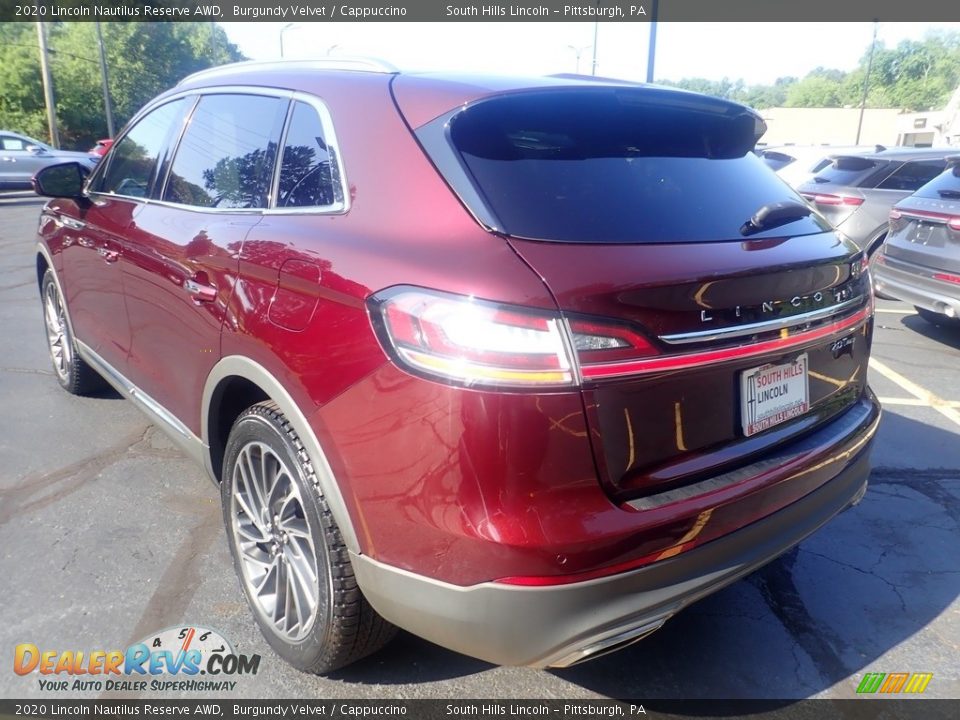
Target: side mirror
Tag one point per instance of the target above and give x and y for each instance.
(35, 150)
(61, 181)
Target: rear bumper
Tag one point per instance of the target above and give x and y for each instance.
(563, 624)
(916, 285)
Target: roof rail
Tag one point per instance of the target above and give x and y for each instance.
(360, 64)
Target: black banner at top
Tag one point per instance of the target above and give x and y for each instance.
(480, 11)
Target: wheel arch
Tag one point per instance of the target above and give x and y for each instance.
(237, 381)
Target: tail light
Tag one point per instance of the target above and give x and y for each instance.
(947, 277)
(478, 343)
(954, 223)
(828, 199)
(459, 339)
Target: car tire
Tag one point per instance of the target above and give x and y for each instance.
(288, 552)
(72, 372)
(938, 319)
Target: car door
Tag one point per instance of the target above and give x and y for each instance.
(181, 255)
(92, 277)
(19, 160)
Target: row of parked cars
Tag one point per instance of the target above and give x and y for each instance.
(900, 205)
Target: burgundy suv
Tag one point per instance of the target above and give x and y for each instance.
(523, 366)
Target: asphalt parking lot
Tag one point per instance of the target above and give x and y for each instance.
(109, 534)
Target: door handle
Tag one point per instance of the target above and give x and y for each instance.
(201, 292)
(111, 256)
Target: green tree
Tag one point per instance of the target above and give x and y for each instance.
(143, 59)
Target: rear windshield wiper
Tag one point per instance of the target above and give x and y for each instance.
(773, 214)
(949, 193)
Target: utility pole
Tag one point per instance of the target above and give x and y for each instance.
(866, 81)
(106, 82)
(652, 50)
(48, 87)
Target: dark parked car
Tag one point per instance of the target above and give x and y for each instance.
(21, 157)
(855, 192)
(920, 261)
(524, 366)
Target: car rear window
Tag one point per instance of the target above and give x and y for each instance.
(944, 185)
(618, 165)
(848, 170)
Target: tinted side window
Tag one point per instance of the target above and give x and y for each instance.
(913, 174)
(309, 174)
(946, 184)
(227, 154)
(133, 160)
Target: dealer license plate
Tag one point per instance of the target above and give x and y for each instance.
(773, 394)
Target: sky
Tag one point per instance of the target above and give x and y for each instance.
(758, 53)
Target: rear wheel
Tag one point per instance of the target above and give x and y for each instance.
(288, 551)
(73, 374)
(938, 319)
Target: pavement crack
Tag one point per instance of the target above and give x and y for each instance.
(893, 586)
(26, 371)
(779, 591)
(37, 491)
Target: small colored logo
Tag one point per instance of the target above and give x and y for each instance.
(186, 652)
(890, 683)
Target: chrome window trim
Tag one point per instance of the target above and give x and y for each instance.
(102, 167)
(326, 122)
(764, 326)
(333, 149)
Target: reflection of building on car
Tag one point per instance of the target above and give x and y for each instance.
(920, 260)
(487, 359)
(21, 157)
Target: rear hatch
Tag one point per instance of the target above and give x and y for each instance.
(713, 314)
(925, 227)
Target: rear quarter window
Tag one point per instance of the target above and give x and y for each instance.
(913, 175)
(944, 185)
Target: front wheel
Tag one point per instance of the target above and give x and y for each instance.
(73, 374)
(288, 551)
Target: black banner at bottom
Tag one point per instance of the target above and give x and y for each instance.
(855, 709)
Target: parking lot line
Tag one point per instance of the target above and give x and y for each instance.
(895, 312)
(944, 407)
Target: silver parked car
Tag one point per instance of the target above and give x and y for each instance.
(797, 164)
(21, 157)
(856, 192)
(920, 260)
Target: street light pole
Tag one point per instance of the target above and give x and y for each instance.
(866, 82)
(578, 51)
(106, 82)
(282, 31)
(652, 50)
(596, 27)
(48, 87)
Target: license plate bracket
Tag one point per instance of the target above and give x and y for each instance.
(773, 394)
